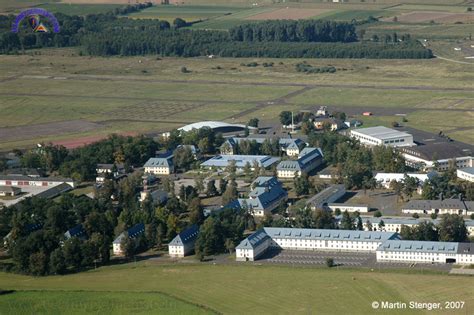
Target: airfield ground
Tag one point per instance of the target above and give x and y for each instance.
(92, 96)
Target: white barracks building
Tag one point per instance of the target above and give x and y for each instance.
(426, 252)
(309, 239)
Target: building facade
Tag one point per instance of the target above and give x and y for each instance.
(183, 244)
(133, 233)
(441, 206)
(159, 166)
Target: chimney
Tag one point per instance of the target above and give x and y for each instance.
(460, 196)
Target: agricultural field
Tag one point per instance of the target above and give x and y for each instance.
(231, 289)
(79, 9)
(190, 13)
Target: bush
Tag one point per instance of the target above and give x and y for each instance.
(184, 70)
(330, 262)
(415, 215)
(377, 214)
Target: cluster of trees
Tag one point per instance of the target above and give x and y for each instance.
(45, 250)
(294, 31)
(80, 163)
(447, 185)
(451, 228)
(109, 34)
(355, 163)
(307, 68)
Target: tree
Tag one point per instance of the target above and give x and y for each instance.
(209, 240)
(397, 187)
(253, 122)
(229, 245)
(57, 263)
(247, 169)
(179, 23)
(377, 214)
(230, 193)
(38, 264)
(452, 228)
(302, 184)
(285, 118)
(211, 189)
(73, 252)
(128, 246)
(199, 183)
(330, 262)
(381, 225)
(196, 216)
(410, 185)
(369, 225)
(347, 222)
(360, 225)
(171, 227)
(222, 186)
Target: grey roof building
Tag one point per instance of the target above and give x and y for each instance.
(419, 246)
(264, 198)
(222, 161)
(254, 240)
(133, 233)
(183, 243)
(451, 206)
(328, 195)
(308, 160)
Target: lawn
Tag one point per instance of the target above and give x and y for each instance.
(80, 302)
(244, 289)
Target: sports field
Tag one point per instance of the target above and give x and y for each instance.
(234, 289)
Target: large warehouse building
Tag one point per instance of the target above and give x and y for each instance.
(380, 135)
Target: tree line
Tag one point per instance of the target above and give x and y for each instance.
(110, 34)
(294, 31)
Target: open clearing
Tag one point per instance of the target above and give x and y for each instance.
(231, 288)
(289, 14)
(440, 17)
(150, 95)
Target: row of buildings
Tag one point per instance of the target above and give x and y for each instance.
(387, 245)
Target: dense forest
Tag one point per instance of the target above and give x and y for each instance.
(111, 34)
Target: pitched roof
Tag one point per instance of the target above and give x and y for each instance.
(187, 236)
(439, 204)
(305, 158)
(323, 196)
(77, 231)
(159, 162)
(325, 234)
(419, 246)
(132, 232)
(254, 240)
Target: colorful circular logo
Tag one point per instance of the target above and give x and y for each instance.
(34, 17)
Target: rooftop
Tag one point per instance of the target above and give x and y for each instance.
(419, 246)
(212, 125)
(469, 170)
(324, 234)
(253, 240)
(381, 132)
(438, 150)
(186, 236)
(240, 160)
(323, 196)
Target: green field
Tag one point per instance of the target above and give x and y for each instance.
(237, 289)
(80, 302)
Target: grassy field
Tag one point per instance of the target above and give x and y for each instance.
(148, 94)
(190, 13)
(239, 289)
(72, 302)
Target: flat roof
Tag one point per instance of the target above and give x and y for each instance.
(439, 150)
(240, 160)
(325, 194)
(381, 132)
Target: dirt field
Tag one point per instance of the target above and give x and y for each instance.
(440, 17)
(288, 14)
